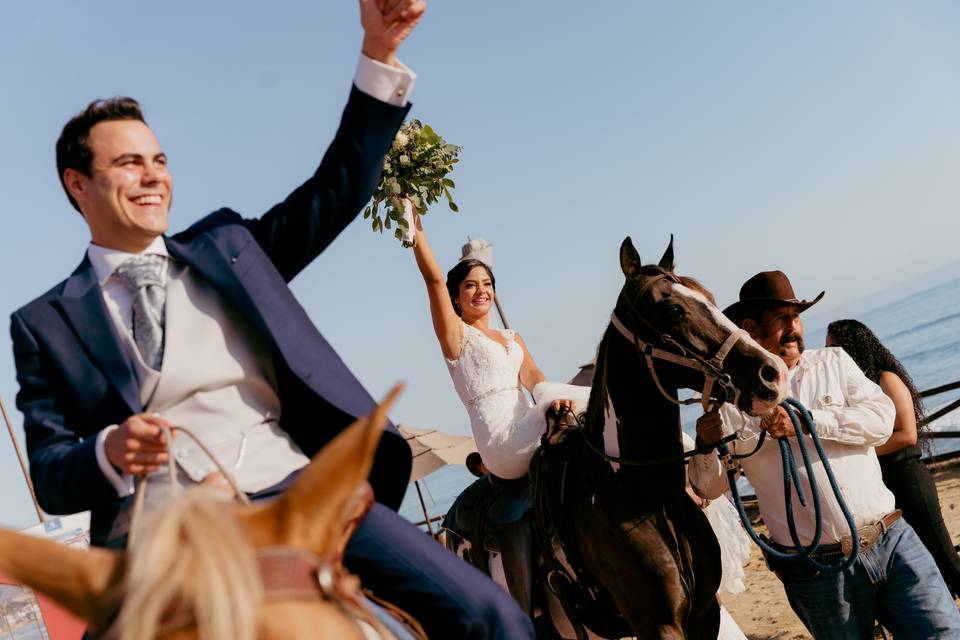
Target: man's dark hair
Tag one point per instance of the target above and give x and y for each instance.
(73, 145)
(459, 273)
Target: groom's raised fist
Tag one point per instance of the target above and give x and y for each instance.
(386, 23)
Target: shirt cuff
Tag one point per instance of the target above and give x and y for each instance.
(826, 424)
(123, 484)
(384, 82)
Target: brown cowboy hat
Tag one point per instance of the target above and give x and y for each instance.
(766, 289)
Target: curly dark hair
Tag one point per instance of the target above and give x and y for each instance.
(873, 358)
(459, 273)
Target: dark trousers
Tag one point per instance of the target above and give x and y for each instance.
(405, 567)
(916, 494)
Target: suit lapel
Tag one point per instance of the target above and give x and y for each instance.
(83, 306)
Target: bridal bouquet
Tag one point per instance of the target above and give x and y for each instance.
(414, 176)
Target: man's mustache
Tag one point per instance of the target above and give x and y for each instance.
(791, 337)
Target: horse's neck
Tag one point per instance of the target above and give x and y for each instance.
(648, 424)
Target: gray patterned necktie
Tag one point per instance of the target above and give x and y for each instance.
(145, 276)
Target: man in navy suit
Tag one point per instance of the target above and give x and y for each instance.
(89, 351)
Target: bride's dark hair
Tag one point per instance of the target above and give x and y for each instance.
(459, 273)
(873, 358)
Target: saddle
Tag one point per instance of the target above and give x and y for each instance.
(485, 507)
(492, 514)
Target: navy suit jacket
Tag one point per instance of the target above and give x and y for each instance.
(75, 378)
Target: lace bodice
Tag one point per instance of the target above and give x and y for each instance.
(485, 367)
(505, 426)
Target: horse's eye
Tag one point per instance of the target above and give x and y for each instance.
(675, 312)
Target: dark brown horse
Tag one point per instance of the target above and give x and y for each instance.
(632, 525)
(645, 555)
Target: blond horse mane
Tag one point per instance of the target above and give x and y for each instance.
(191, 563)
(192, 572)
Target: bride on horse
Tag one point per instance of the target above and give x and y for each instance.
(488, 366)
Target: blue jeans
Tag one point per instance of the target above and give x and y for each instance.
(895, 581)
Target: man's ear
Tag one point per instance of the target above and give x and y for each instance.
(752, 327)
(75, 182)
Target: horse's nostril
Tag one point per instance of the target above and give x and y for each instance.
(768, 373)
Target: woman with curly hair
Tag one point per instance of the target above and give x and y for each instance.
(903, 472)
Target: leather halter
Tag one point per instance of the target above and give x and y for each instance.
(711, 368)
(286, 572)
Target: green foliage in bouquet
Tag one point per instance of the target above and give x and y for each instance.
(416, 168)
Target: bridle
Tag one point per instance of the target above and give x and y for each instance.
(711, 368)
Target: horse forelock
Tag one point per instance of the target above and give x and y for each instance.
(191, 566)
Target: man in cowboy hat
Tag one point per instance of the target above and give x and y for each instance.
(894, 579)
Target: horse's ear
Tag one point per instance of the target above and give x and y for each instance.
(85, 583)
(629, 260)
(666, 262)
(312, 512)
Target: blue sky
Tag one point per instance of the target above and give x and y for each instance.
(820, 138)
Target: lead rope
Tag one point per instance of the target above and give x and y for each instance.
(800, 552)
(141, 490)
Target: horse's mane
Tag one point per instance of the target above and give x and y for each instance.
(191, 563)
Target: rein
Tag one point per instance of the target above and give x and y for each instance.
(799, 552)
(141, 490)
(580, 418)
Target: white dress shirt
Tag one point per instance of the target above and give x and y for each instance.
(386, 83)
(851, 415)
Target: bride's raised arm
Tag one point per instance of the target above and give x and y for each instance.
(446, 322)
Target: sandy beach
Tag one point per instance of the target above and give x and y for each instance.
(762, 610)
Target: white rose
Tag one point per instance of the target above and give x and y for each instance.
(401, 140)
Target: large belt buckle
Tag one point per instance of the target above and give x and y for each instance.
(867, 536)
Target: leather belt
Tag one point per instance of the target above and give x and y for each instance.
(869, 535)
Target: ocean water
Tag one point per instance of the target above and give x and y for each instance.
(922, 330)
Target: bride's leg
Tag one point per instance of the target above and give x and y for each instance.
(516, 549)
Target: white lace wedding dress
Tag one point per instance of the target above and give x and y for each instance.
(506, 427)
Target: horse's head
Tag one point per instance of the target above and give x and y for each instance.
(204, 566)
(676, 325)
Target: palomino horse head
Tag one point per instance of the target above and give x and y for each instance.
(676, 316)
(197, 569)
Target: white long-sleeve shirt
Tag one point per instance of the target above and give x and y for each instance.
(851, 415)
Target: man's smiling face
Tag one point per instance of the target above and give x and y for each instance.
(126, 199)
